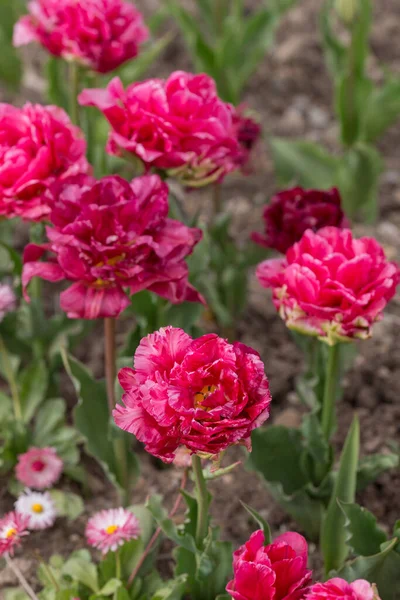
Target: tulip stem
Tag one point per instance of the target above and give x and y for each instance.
(329, 398)
(24, 584)
(9, 373)
(217, 200)
(74, 92)
(110, 361)
(111, 373)
(202, 501)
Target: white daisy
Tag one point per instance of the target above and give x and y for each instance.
(39, 507)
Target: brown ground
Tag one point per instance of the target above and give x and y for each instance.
(292, 92)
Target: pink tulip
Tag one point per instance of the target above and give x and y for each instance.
(99, 34)
(203, 394)
(331, 285)
(178, 125)
(111, 237)
(274, 572)
(38, 146)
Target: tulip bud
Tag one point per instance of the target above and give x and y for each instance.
(347, 10)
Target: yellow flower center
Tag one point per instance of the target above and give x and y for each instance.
(199, 397)
(111, 529)
(37, 508)
(10, 533)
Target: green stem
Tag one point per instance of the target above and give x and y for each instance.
(111, 373)
(202, 501)
(216, 200)
(9, 372)
(329, 399)
(74, 92)
(220, 13)
(117, 564)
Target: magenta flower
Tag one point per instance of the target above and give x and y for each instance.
(274, 572)
(331, 285)
(110, 237)
(39, 468)
(99, 34)
(13, 527)
(291, 212)
(178, 125)
(7, 300)
(38, 146)
(109, 529)
(336, 588)
(203, 394)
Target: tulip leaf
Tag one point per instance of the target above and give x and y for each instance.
(381, 110)
(364, 535)
(260, 520)
(382, 568)
(92, 420)
(303, 163)
(167, 525)
(370, 467)
(333, 533)
(277, 454)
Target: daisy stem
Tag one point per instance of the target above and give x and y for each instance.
(24, 584)
(157, 532)
(202, 501)
(329, 398)
(74, 92)
(117, 564)
(9, 372)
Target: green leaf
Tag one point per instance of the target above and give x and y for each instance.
(304, 163)
(383, 569)
(167, 525)
(335, 51)
(92, 409)
(276, 456)
(364, 535)
(10, 64)
(371, 467)
(352, 94)
(67, 504)
(14, 257)
(381, 110)
(172, 590)
(110, 587)
(50, 430)
(306, 510)
(260, 520)
(357, 179)
(333, 533)
(15, 594)
(33, 383)
(56, 78)
(82, 570)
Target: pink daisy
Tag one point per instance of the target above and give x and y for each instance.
(12, 527)
(39, 468)
(108, 529)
